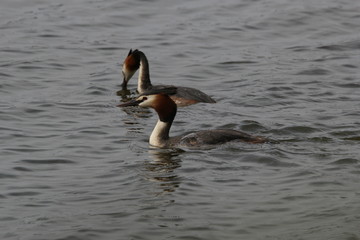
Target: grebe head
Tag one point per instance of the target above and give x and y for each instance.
(130, 66)
(158, 100)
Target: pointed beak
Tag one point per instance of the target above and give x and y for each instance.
(125, 80)
(130, 103)
(124, 84)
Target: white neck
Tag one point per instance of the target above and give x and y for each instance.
(144, 75)
(160, 134)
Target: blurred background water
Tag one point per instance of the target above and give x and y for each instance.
(74, 166)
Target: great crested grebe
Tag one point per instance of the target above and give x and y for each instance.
(166, 110)
(136, 59)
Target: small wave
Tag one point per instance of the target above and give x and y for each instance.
(299, 129)
(47, 161)
(325, 183)
(22, 169)
(345, 161)
(314, 72)
(50, 36)
(2, 74)
(355, 138)
(352, 45)
(5, 175)
(23, 194)
(268, 161)
(299, 48)
(96, 90)
(238, 62)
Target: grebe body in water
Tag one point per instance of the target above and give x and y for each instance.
(137, 60)
(166, 110)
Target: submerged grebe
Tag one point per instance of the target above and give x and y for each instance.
(166, 110)
(136, 59)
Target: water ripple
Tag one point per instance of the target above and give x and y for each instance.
(48, 161)
(315, 71)
(346, 161)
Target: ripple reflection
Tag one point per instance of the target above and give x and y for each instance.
(162, 169)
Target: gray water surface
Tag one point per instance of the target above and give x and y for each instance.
(74, 166)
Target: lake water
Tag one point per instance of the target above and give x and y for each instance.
(74, 166)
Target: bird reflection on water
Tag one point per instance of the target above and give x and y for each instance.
(162, 169)
(124, 94)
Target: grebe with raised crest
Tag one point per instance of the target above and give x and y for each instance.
(166, 110)
(137, 60)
